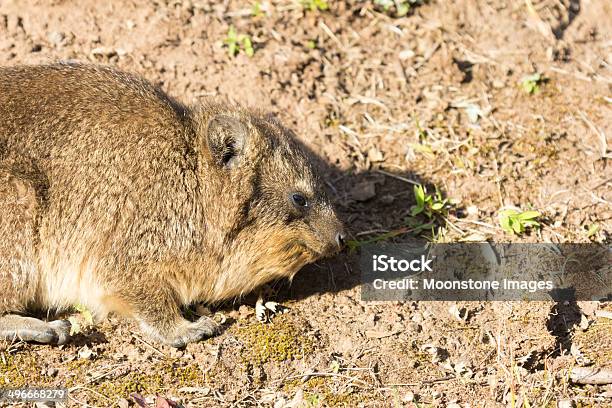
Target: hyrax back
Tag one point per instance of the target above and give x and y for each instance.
(115, 196)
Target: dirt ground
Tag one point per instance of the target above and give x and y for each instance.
(436, 96)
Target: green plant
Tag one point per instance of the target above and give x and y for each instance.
(235, 42)
(314, 5)
(401, 7)
(81, 322)
(431, 205)
(516, 222)
(312, 400)
(592, 231)
(256, 9)
(429, 212)
(531, 83)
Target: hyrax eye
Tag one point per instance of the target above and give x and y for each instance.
(299, 200)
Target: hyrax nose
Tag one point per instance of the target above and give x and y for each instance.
(341, 239)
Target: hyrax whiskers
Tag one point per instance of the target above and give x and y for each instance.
(115, 196)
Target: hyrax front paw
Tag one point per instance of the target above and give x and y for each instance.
(265, 311)
(191, 332)
(62, 330)
(13, 327)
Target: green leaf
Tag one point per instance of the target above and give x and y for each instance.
(437, 206)
(352, 245)
(517, 226)
(248, 46)
(509, 213)
(233, 49)
(416, 210)
(231, 34)
(402, 10)
(528, 215)
(85, 313)
(419, 194)
(256, 9)
(504, 221)
(385, 4)
(593, 230)
(322, 4)
(423, 227)
(531, 83)
(75, 327)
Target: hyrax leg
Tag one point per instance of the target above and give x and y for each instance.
(157, 311)
(13, 327)
(19, 210)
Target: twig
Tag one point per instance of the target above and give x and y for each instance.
(308, 375)
(482, 224)
(331, 35)
(407, 180)
(106, 374)
(424, 382)
(80, 387)
(603, 313)
(149, 345)
(598, 133)
(427, 56)
(374, 231)
(591, 375)
(453, 226)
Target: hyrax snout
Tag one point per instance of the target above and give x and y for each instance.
(115, 196)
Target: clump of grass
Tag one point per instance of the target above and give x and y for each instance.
(429, 212)
(315, 5)
(431, 205)
(517, 222)
(236, 42)
(531, 83)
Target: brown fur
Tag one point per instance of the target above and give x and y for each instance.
(115, 196)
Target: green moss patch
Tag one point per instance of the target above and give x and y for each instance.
(279, 341)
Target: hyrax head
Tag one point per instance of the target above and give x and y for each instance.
(272, 206)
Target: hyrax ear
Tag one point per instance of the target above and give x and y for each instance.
(227, 138)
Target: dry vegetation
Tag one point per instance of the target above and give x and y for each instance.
(499, 104)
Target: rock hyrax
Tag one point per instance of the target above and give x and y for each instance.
(115, 196)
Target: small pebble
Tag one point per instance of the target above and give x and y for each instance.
(418, 318)
(408, 397)
(56, 38)
(414, 327)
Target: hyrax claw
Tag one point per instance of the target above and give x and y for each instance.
(265, 311)
(193, 332)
